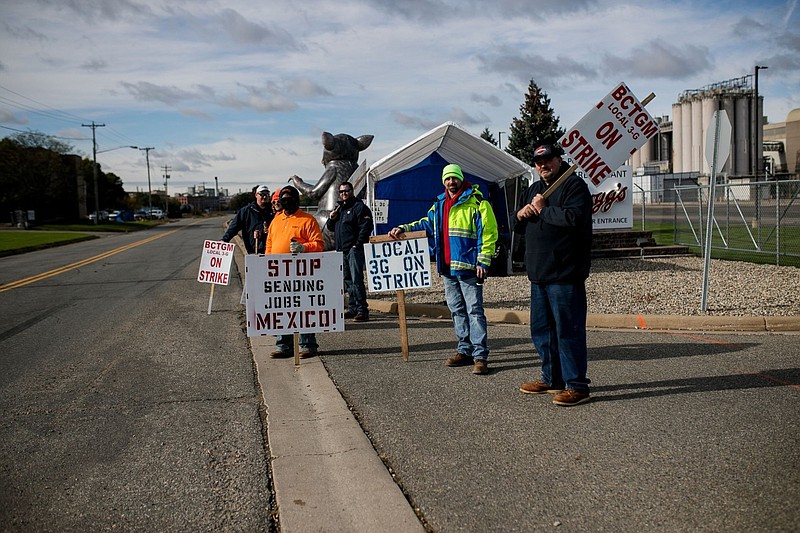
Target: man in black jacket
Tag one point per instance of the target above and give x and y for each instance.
(351, 223)
(252, 220)
(558, 241)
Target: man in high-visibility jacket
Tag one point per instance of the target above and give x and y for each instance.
(464, 231)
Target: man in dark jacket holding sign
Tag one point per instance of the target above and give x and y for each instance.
(558, 241)
(252, 220)
(351, 224)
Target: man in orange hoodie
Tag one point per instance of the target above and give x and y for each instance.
(294, 231)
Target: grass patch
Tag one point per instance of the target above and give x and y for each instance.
(17, 242)
(124, 227)
(737, 237)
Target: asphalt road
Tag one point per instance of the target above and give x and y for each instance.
(685, 432)
(124, 404)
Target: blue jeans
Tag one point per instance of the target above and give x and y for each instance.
(285, 343)
(353, 271)
(558, 331)
(465, 300)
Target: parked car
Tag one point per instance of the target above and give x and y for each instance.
(112, 215)
(99, 215)
(141, 214)
(157, 214)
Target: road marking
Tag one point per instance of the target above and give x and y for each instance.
(66, 268)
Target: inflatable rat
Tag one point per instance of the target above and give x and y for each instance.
(340, 159)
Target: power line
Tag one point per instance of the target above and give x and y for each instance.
(53, 136)
(59, 115)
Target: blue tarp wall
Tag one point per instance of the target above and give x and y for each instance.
(411, 193)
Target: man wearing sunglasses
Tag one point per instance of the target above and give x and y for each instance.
(252, 220)
(351, 224)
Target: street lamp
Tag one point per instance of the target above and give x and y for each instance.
(117, 148)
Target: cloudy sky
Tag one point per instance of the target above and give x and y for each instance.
(242, 89)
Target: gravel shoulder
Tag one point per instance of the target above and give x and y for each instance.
(654, 285)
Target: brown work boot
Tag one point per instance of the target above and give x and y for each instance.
(480, 367)
(278, 354)
(538, 387)
(459, 359)
(305, 354)
(569, 398)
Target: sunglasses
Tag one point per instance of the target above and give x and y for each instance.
(342, 191)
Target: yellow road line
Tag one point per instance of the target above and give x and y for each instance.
(66, 268)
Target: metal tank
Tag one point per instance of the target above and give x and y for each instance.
(677, 138)
(741, 135)
(686, 147)
(697, 134)
(710, 105)
(728, 105)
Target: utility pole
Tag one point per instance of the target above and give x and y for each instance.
(146, 151)
(166, 191)
(500, 139)
(216, 190)
(94, 171)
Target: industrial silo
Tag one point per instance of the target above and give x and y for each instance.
(697, 134)
(741, 134)
(710, 104)
(677, 138)
(728, 105)
(686, 128)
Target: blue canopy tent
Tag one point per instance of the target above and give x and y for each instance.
(409, 179)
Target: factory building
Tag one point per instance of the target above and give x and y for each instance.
(679, 148)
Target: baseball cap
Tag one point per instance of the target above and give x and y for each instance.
(546, 151)
(262, 189)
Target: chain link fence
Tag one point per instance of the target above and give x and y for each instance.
(756, 222)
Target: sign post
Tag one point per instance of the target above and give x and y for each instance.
(397, 265)
(718, 148)
(215, 265)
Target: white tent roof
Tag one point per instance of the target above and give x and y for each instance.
(456, 145)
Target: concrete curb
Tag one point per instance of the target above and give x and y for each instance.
(325, 472)
(783, 324)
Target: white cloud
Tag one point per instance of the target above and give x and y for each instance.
(242, 90)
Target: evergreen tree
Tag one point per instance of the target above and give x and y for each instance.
(487, 136)
(537, 125)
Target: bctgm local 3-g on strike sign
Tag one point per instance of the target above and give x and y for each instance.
(215, 262)
(609, 134)
(294, 293)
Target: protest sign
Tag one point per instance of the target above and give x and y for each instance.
(294, 293)
(612, 201)
(380, 211)
(394, 265)
(215, 262)
(609, 134)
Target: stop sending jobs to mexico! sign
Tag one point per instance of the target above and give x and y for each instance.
(294, 293)
(396, 265)
(608, 134)
(215, 262)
